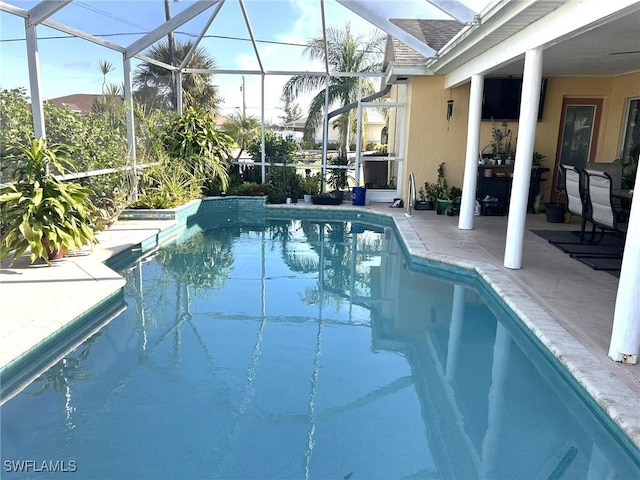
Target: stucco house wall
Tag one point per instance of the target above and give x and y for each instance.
(431, 139)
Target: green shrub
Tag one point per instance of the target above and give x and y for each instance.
(193, 140)
(310, 184)
(278, 149)
(92, 140)
(250, 189)
(339, 177)
(278, 195)
(167, 186)
(284, 181)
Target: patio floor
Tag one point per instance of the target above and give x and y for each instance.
(558, 290)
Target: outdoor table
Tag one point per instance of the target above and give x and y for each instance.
(622, 194)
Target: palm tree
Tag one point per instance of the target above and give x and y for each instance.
(111, 107)
(242, 128)
(290, 111)
(154, 85)
(346, 53)
(105, 67)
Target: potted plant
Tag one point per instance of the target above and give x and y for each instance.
(41, 213)
(500, 144)
(455, 193)
(339, 177)
(628, 173)
(427, 197)
(109, 209)
(441, 191)
(555, 211)
(536, 161)
(310, 186)
(327, 199)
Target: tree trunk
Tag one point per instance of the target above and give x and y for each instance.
(345, 135)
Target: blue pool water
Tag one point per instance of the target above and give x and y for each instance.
(305, 349)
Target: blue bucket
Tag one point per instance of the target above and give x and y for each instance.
(358, 195)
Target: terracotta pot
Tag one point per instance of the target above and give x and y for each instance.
(52, 253)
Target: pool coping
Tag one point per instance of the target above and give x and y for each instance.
(615, 398)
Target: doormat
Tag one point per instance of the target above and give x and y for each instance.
(609, 265)
(605, 255)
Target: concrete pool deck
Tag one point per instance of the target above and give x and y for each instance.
(568, 305)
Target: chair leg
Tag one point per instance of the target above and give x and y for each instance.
(593, 234)
(582, 227)
(617, 254)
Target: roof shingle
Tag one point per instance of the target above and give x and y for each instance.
(434, 33)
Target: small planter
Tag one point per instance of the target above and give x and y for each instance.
(555, 212)
(325, 200)
(307, 198)
(424, 205)
(339, 194)
(443, 206)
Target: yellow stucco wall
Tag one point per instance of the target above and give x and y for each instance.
(432, 139)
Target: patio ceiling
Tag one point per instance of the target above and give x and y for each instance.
(579, 38)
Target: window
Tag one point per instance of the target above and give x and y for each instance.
(631, 144)
(631, 139)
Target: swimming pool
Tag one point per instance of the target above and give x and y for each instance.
(282, 354)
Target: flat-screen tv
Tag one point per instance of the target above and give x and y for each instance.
(501, 99)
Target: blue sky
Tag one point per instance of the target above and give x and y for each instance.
(70, 65)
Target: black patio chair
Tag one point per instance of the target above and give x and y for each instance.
(601, 209)
(601, 213)
(577, 204)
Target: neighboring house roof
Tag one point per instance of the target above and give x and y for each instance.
(220, 119)
(435, 33)
(296, 125)
(78, 102)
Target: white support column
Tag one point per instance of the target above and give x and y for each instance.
(625, 337)
(179, 106)
(33, 61)
(532, 78)
(264, 153)
(131, 132)
(467, 203)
